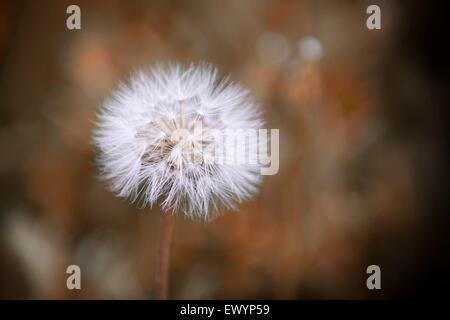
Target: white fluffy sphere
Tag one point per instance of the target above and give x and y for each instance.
(150, 148)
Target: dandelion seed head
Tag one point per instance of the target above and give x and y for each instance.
(154, 138)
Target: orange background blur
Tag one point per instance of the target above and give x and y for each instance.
(358, 151)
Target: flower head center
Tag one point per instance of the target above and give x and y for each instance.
(177, 143)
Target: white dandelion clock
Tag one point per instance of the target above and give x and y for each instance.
(159, 138)
(176, 136)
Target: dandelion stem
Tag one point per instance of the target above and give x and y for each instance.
(165, 240)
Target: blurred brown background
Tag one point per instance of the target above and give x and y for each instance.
(361, 138)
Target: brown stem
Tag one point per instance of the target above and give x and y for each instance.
(165, 239)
